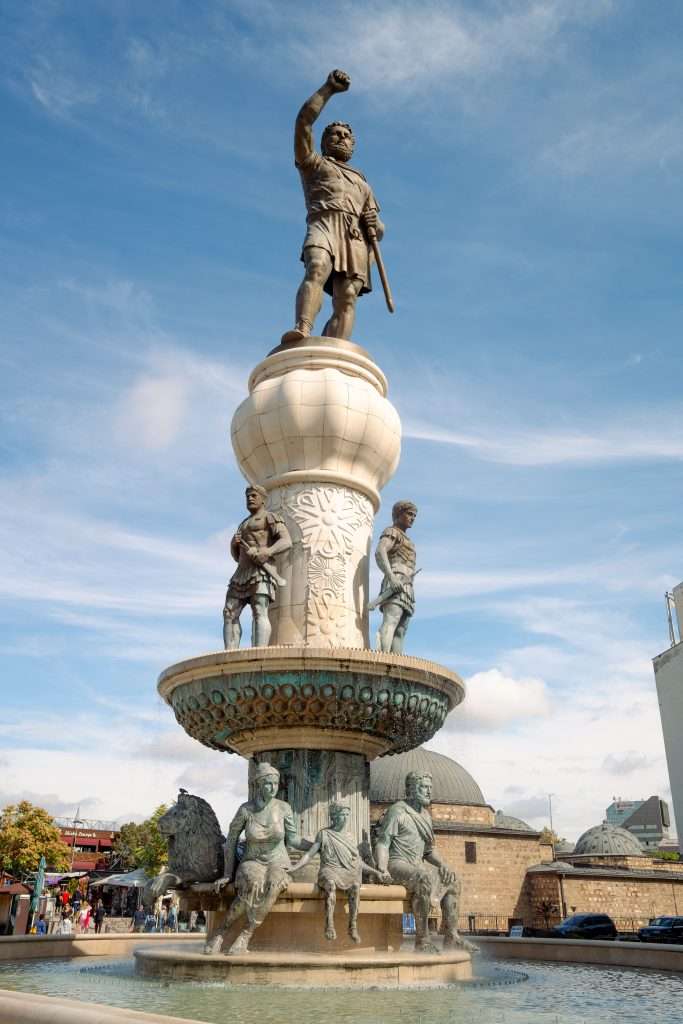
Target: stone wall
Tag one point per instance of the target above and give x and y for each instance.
(493, 886)
(630, 902)
(467, 814)
(628, 863)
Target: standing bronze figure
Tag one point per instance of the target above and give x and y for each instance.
(258, 538)
(395, 555)
(342, 219)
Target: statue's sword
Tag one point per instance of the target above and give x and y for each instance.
(385, 595)
(372, 238)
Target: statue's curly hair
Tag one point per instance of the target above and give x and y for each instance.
(328, 128)
(402, 506)
(412, 779)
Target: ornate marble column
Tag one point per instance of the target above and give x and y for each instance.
(318, 432)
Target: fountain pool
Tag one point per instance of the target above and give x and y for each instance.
(516, 992)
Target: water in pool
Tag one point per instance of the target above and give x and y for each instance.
(513, 992)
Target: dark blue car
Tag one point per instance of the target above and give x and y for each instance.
(663, 929)
(585, 926)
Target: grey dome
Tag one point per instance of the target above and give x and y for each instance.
(451, 783)
(508, 821)
(608, 840)
(564, 847)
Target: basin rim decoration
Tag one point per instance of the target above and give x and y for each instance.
(262, 698)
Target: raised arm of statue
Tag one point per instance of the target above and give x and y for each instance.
(337, 81)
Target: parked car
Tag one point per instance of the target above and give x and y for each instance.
(663, 929)
(585, 926)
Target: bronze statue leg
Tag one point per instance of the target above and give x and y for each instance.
(400, 634)
(260, 625)
(258, 911)
(232, 631)
(391, 617)
(353, 897)
(237, 908)
(421, 902)
(344, 294)
(309, 298)
(450, 906)
(330, 903)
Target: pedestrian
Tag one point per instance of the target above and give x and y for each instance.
(193, 921)
(137, 923)
(41, 926)
(99, 916)
(172, 919)
(65, 925)
(84, 919)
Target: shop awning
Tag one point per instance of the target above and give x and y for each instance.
(128, 880)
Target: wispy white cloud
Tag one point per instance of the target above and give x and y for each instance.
(657, 438)
(406, 47)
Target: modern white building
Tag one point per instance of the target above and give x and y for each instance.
(669, 679)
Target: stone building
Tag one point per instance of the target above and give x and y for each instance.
(509, 876)
(608, 872)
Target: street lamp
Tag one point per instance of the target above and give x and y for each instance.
(76, 821)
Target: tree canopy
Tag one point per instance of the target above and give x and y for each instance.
(142, 845)
(27, 833)
(550, 838)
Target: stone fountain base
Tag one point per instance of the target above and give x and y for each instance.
(403, 968)
(290, 948)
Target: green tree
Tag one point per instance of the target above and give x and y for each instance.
(549, 836)
(27, 833)
(142, 845)
(665, 854)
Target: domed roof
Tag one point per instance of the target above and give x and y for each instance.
(508, 821)
(451, 783)
(564, 846)
(608, 840)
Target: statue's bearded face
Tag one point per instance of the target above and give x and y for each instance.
(419, 789)
(338, 141)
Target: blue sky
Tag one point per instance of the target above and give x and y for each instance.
(528, 157)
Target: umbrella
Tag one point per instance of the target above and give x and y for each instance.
(37, 889)
(128, 880)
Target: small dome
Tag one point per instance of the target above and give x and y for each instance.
(451, 783)
(564, 847)
(508, 821)
(608, 841)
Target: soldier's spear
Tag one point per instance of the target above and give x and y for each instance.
(372, 238)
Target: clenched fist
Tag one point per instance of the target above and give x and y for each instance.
(338, 81)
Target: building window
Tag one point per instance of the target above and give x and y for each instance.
(470, 853)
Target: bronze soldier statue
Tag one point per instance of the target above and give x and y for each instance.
(395, 555)
(342, 218)
(258, 538)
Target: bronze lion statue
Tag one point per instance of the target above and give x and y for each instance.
(195, 845)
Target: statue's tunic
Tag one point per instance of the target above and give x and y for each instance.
(340, 861)
(402, 559)
(250, 579)
(336, 195)
(409, 836)
(265, 862)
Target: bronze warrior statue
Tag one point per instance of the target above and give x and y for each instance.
(258, 538)
(342, 220)
(395, 555)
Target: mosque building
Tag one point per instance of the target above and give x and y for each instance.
(509, 875)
